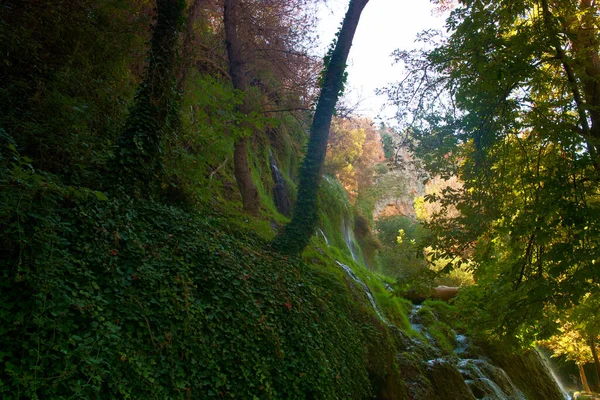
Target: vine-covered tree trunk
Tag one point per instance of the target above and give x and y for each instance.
(297, 233)
(138, 157)
(241, 168)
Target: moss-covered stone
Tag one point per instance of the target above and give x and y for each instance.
(527, 371)
(447, 380)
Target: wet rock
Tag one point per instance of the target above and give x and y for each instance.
(447, 380)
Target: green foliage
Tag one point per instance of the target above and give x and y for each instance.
(119, 298)
(401, 258)
(335, 215)
(327, 60)
(440, 319)
(508, 110)
(388, 145)
(67, 77)
(155, 106)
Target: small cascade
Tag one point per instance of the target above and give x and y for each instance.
(348, 235)
(415, 321)
(462, 343)
(559, 383)
(282, 202)
(366, 289)
(487, 381)
(484, 380)
(320, 232)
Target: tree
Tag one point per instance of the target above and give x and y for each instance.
(508, 103)
(243, 176)
(265, 47)
(297, 233)
(139, 146)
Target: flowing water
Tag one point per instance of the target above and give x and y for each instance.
(282, 202)
(320, 232)
(365, 288)
(560, 384)
(348, 235)
(484, 380)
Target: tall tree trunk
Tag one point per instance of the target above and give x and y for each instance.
(584, 382)
(297, 233)
(139, 145)
(241, 167)
(595, 355)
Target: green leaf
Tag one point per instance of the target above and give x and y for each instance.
(101, 196)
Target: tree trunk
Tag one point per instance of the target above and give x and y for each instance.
(297, 233)
(138, 157)
(584, 381)
(595, 355)
(241, 167)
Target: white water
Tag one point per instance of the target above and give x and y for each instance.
(483, 379)
(478, 374)
(348, 235)
(546, 362)
(320, 232)
(365, 288)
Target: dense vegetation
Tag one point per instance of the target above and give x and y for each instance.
(144, 148)
(508, 103)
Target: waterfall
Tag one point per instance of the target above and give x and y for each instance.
(487, 381)
(484, 380)
(366, 289)
(320, 232)
(348, 235)
(559, 383)
(282, 202)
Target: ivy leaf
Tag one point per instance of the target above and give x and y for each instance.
(101, 196)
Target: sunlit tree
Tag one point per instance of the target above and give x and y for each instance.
(508, 103)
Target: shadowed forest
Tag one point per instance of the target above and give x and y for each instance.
(192, 208)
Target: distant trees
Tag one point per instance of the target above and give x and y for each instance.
(297, 233)
(509, 104)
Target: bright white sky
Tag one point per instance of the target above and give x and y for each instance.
(385, 25)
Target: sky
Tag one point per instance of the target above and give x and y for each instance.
(385, 25)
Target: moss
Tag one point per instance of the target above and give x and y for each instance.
(436, 316)
(448, 381)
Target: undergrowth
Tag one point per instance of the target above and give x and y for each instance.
(109, 297)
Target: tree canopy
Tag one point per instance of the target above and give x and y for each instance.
(508, 103)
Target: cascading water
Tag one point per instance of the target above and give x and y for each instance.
(280, 196)
(484, 380)
(559, 383)
(348, 235)
(366, 289)
(320, 232)
(487, 381)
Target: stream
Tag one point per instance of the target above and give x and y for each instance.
(484, 380)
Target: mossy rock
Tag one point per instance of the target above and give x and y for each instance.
(526, 370)
(447, 380)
